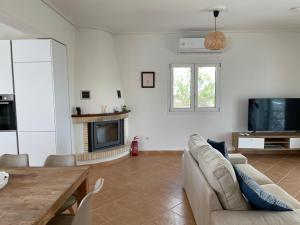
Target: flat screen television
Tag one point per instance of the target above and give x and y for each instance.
(274, 114)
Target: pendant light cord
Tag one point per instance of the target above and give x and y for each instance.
(215, 24)
(216, 14)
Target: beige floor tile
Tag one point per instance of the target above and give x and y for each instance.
(184, 210)
(172, 218)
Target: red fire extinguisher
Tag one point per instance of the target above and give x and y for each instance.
(135, 146)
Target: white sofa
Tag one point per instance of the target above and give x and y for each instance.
(208, 210)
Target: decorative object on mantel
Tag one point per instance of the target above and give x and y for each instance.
(116, 109)
(78, 110)
(124, 109)
(3, 179)
(215, 40)
(104, 109)
(148, 80)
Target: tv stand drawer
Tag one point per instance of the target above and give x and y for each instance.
(254, 143)
(294, 143)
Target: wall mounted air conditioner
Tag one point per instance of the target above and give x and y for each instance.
(193, 45)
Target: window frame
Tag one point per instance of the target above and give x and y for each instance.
(192, 96)
(217, 88)
(194, 88)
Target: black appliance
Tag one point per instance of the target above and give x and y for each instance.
(274, 114)
(7, 113)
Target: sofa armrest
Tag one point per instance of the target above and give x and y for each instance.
(253, 217)
(237, 158)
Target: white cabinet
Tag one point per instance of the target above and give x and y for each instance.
(251, 143)
(8, 142)
(42, 98)
(32, 50)
(38, 145)
(61, 98)
(34, 96)
(295, 143)
(6, 77)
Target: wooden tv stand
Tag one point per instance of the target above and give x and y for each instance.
(266, 142)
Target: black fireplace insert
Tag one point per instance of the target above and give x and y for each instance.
(105, 134)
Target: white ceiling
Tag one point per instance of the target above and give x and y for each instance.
(118, 16)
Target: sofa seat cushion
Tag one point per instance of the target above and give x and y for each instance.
(237, 158)
(256, 175)
(255, 217)
(221, 176)
(282, 195)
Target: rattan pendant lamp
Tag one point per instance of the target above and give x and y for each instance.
(215, 40)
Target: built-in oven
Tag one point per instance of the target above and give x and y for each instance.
(8, 121)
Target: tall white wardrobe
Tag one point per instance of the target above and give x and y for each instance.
(42, 98)
(8, 138)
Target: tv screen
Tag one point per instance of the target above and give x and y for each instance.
(276, 114)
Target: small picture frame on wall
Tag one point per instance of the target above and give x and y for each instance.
(148, 80)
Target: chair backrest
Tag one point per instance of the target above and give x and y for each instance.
(8, 160)
(84, 213)
(60, 161)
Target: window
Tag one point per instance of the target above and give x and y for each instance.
(194, 87)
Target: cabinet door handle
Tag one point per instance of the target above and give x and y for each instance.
(4, 103)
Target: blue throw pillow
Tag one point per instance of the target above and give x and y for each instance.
(220, 146)
(258, 197)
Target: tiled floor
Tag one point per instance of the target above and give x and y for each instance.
(283, 170)
(147, 190)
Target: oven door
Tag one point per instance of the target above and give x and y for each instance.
(7, 113)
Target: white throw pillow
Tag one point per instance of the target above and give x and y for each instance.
(219, 174)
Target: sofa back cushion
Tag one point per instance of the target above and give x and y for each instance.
(196, 141)
(219, 173)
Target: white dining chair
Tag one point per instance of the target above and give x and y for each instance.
(63, 161)
(60, 161)
(84, 213)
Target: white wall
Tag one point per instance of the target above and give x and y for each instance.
(254, 65)
(8, 33)
(97, 71)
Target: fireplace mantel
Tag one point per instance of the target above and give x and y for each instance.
(89, 118)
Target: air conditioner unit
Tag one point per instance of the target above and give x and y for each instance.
(193, 45)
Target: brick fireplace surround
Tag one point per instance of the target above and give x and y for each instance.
(87, 157)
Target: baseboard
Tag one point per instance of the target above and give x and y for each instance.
(161, 152)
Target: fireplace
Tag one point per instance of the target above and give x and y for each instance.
(105, 134)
